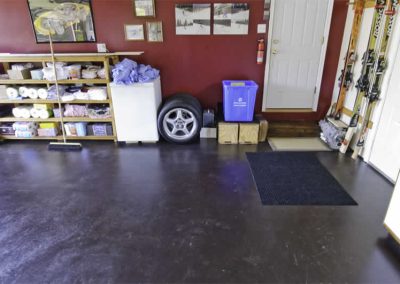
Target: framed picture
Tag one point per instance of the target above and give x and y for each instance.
(193, 19)
(65, 20)
(134, 32)
(144, 8)
(154, 31)
(231, 18)
(267, 7)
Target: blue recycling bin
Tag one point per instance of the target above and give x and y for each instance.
(239, 100)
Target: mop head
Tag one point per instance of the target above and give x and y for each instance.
(60, 146)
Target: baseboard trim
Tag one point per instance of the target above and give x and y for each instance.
(288, 110)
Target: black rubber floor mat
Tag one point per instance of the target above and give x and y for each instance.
(295, 178)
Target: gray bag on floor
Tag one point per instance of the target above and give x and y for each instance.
(332, 135)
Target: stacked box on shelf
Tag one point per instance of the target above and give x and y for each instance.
(19, 74)
(76, 129)
(25, 129)
(99, 129)
(3, 92)
(7, 129)
(48, 129)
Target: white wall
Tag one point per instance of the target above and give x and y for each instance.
(361, 47)
(395, 41)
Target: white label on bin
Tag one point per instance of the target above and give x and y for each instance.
(240, 103)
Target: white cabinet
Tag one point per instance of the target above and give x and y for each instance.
(135, 111)
(392, 219)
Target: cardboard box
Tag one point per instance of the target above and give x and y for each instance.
(262, 134)
(47, 132)
(248, 133)
(19, 74)
(3, 92)
(45, 125)
(228, 133)
(7, 129)
(208, 132)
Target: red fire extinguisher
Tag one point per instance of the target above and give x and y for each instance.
(260, 51)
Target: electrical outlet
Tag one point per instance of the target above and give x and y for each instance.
(101, 47)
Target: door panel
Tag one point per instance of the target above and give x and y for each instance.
(297, 39)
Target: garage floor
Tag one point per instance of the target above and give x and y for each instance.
(165, 213)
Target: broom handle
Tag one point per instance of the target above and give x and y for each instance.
(57, 91)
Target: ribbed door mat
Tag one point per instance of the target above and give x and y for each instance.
(295, 178)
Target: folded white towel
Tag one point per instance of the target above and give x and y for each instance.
(12, 93)
(23, 92)
(16, 112)
(68, 97)
(99, 94)
(42, 93)
(22, 112)
(35, 113)
(81, 95)
(25, 112)
(44, 113)
(33, 93)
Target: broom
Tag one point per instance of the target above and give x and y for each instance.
(60, 146)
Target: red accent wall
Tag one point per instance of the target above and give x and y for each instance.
(195, 64)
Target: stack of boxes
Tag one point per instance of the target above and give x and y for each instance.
(239, 125)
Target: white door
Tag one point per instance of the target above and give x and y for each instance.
(296, 53)
(392, 220)
(385, 154)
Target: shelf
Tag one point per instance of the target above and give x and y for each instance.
(85, 119)
(11, 137)
(56, 119)
(60, 82)
(14, 119)
(39, 101)
(66, 57)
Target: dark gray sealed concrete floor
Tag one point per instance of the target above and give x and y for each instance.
(165, 213)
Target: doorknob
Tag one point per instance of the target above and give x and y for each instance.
(274, 51)
(275, 41)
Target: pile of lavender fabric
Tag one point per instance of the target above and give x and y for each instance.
(128, 72)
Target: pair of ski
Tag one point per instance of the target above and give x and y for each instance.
(374, 66)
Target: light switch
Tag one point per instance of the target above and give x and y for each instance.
(261, 28)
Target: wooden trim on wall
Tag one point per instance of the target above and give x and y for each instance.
(349, 113)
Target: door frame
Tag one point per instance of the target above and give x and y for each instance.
(320, 68)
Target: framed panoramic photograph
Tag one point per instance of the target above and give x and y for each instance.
(65, 20)
(144, 8)
(193, 19)
(231, 18)
(134, 32)
(154, 31)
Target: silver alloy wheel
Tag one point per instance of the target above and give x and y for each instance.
(180, 124)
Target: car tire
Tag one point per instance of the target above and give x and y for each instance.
(180, 119)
